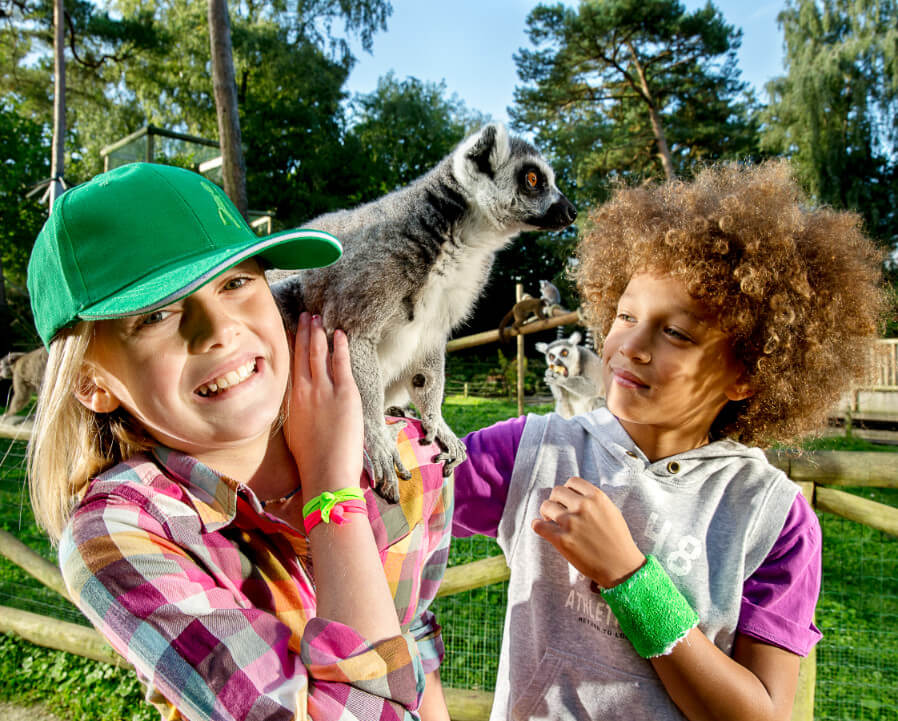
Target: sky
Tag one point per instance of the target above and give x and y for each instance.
(469, 44)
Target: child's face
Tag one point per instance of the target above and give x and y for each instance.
(163, 367)
(668, 368)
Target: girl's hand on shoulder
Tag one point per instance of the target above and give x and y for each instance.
(324, 419)
(582, 523)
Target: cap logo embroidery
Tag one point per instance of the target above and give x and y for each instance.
(225, 214)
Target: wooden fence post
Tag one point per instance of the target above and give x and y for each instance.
(803, 708)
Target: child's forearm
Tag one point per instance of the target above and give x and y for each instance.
(757, 683)
(350, 582)
(433, 703)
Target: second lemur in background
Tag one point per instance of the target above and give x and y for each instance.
(574, 375)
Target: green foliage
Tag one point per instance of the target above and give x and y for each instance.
(25, 163)
(834, 110)
(610, 82)
(406, 127)
(509, 369)
(845, 443)
(73, 687)
(137, 63)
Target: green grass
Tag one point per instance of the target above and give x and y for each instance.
(858, 611)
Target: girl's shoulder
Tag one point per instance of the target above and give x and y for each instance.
(140, 485)
(142, 471)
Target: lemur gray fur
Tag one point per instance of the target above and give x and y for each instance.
(574, 375)
(26, 370)
(528, 308)
(414, 263)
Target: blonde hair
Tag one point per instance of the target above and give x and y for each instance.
(796, 288)
(70, 443)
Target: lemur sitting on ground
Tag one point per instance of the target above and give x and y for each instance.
(26, 370)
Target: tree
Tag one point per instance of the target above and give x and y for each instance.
(225, 91)
(406, 127)
(632, 88)
(835, 111)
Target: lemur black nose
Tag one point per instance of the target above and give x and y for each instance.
(571, 213)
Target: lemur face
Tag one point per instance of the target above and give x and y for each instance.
(558, 358)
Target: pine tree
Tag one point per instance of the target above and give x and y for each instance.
(632, 88)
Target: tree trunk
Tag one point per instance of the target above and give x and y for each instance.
(661, 142)
(233, 167)
(655, 118)
(57, 162)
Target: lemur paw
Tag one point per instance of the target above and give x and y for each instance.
(453, 450)
(386, 467)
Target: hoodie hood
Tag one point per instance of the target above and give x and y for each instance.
(605, 429)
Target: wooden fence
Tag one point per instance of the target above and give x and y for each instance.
(885, 364)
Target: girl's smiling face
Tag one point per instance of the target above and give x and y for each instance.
(668, 368)
(205, 375)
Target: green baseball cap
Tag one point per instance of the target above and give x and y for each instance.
(142, 236)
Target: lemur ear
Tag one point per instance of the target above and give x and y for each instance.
(541, 347)
(575, 338)
(92, 393)
(489, 148)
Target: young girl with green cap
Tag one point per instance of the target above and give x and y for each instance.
(213, 519)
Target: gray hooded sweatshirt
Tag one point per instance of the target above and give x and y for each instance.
(710, 516)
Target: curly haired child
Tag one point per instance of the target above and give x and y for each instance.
(660, 567)
(239, 561)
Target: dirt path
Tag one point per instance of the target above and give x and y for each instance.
(37, 712)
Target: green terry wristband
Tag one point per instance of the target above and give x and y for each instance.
(651, 611)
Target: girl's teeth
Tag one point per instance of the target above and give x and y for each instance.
(229, 379)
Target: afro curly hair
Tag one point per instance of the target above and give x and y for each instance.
(796, 288)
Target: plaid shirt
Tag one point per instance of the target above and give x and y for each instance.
(213, 600)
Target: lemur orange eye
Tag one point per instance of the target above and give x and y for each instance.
(531, 179)
(564, 353)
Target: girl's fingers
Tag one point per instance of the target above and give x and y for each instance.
(301, 348)
(317, 349)
(342, 370)
(567, 497)
(582, 486)
(547, 529)
(552, 510)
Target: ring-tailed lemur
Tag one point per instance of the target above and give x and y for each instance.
(27, 373)
(574, 375)
(528, 308)
(414, 263)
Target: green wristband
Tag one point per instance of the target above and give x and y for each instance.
(327, 500)
(651, 611)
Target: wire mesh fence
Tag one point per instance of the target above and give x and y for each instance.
(857, 660)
